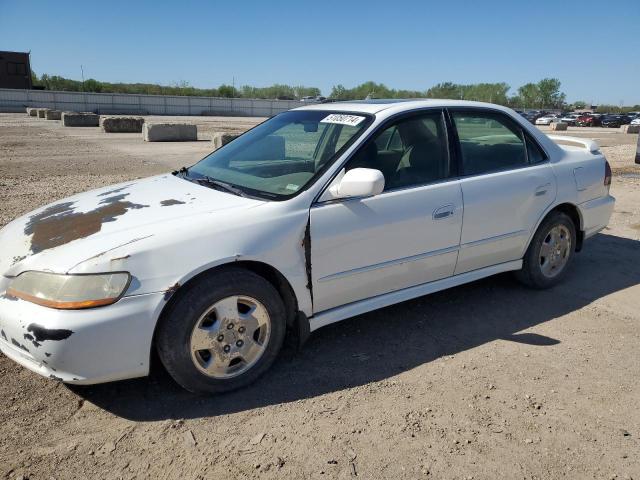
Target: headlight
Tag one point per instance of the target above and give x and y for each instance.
(69, 291)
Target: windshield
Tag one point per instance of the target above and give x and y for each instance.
(282, 155)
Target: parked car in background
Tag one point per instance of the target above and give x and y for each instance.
(589, 120)
(615, 121)
(547, 120)
(313, 99)
(570, 119)
(636, 121)
(314, 216)
(530, 116)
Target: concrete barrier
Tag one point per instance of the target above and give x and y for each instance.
(121, 124)
(53, 114)
(631, 129)
(84, 119)
(169, 132)
(221, 138)
(558, 126)
(42, 112)
(32, 112)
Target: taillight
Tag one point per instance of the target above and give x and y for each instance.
(607, 174)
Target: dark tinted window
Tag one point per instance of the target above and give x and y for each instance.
(408, 153)
(489, 142)
(16, 68)
(534, 152)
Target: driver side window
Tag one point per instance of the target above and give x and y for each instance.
(410, 152)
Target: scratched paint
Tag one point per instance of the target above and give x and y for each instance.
(60, 224)
(171, 201)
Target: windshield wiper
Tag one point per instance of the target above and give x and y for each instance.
(217, 184)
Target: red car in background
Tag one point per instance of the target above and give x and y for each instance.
(588, 121)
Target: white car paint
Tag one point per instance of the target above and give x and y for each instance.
(365, 253)
(635, 121)
(547, 120)
(570, 119)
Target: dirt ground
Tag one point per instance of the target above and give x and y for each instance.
(484, 381)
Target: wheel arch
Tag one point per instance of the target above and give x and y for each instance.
(264, 270)
(570, 210)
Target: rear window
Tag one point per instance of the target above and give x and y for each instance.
(489, 142)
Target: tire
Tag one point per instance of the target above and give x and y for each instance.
(538, 268)
(198, 315)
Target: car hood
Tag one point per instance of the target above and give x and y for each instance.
(59, 236)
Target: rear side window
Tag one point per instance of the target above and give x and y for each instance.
(489, 142)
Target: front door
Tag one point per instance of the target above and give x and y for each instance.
(407, 235)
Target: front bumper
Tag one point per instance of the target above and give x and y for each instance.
(105, 344)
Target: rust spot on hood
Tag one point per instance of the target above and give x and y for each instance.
(171, 201)
(60, 224)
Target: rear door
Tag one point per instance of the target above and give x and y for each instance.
(507, 184)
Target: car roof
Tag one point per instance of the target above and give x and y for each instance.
(378, 105)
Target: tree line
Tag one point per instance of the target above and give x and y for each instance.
(545, 94)
(55, 82)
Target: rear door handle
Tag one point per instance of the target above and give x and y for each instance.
(443, 212)
(542, 189)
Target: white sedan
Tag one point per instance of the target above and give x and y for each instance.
(314, 216)
(547, 120)
(570, 119)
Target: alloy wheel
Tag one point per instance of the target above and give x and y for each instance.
(230, 337)
(555, 251)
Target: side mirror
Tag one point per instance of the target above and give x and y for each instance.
(358, 183)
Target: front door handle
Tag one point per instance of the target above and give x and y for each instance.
(542, 189)
(443, 212)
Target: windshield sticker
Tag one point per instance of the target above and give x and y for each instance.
(341, 119)
(292, 186)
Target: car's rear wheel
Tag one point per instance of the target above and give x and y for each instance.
(550, 252)
(223, 332)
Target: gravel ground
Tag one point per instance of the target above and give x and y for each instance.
(509, 383)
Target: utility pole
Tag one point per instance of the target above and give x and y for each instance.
(82, 73)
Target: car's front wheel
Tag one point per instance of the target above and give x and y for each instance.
(551, 250)
(223, 332)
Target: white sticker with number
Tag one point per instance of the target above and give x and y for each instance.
(342, 119)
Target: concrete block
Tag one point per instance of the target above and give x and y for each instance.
(221, 138)
(558, 126)
(53, 114)
(121, 124)
(631, 129)
(169, 132)
(84, 119)
(42, 112)
(32, 112)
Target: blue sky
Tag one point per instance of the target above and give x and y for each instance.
(592, 46)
